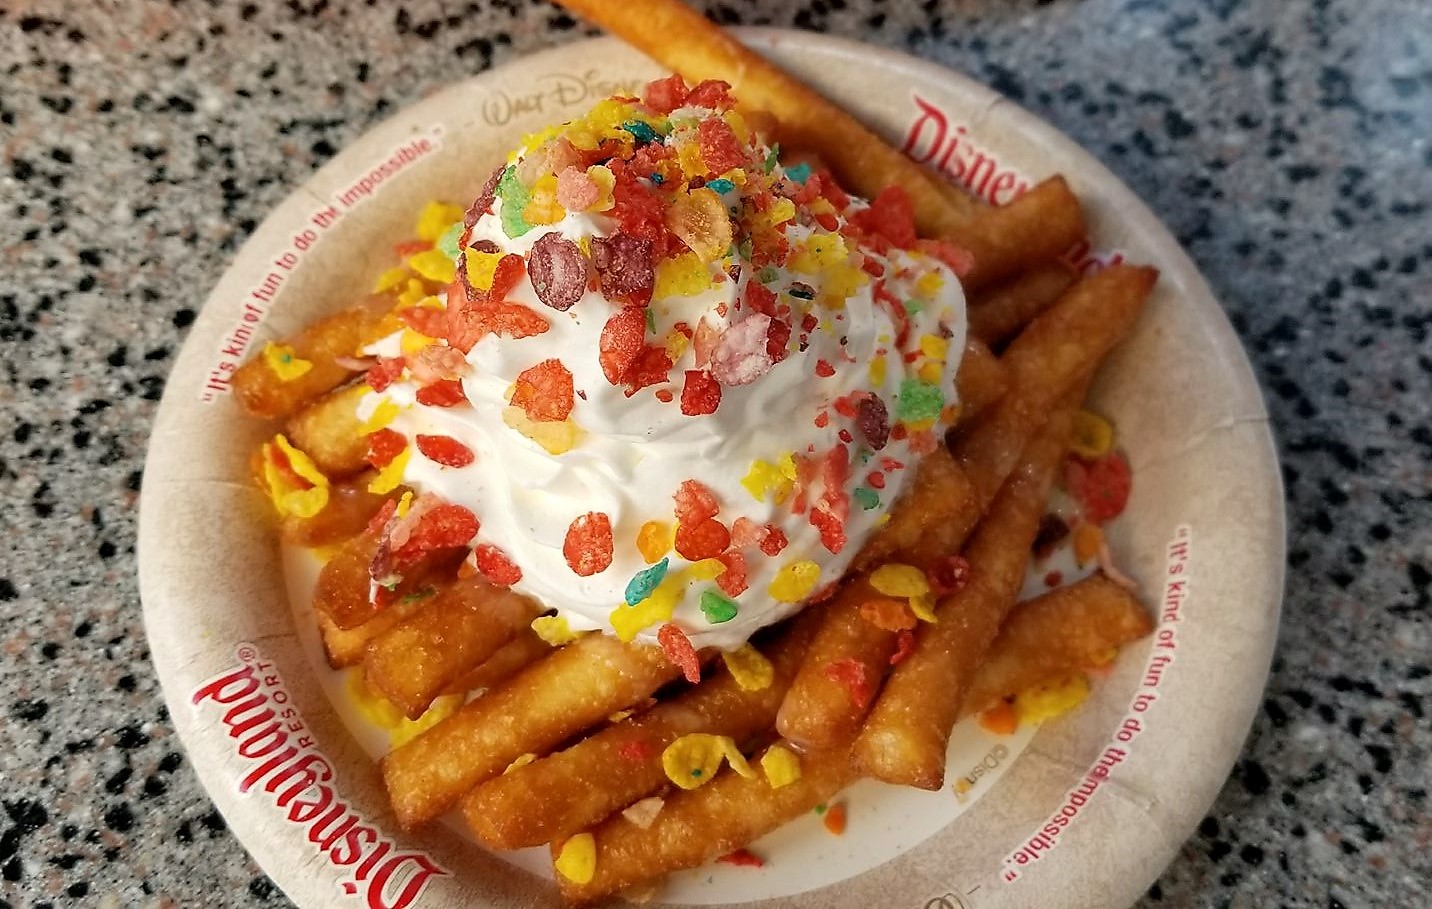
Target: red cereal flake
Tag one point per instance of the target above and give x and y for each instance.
(495, 565)
(638, 752)
(832, 191)
(665, 95)
(760, 298)
(720, 149)
(444, 526)
(677, 647)
(742, 858)
(509, 271)
(746, 533)
(558, 271)
(778, 335)
(695, 502)
(891, 216)
(735, 579)
(959, 259)
(545, 392)
(775, 541)
(425, 320)
(664, 395)
(854, 678)
(588, 546)
(411, 248)
(481, 205)
(384, 372)
(1101, 486)
(701, 394)
(651, 367)
(445, 450)
(626, 261)
(832, 529)
(442, 393)
(383, 446)
(712, 93)
(703, 539)
(948, 576)
(888, 613)
(824, 369)
(904, 646)
(621, 343)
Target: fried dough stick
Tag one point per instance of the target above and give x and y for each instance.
(1044, 640)
(566, 792)
(699, 825)
(917, 708)
(350, 507)
(263, 393)
(347, 647)
(452, 633)
(687, 42)
(329, 431)
(1066, 343)
(1006, 240)
(1068, 629)
(551, 700)
(511, 658)
(1001, 311)
(980, 381)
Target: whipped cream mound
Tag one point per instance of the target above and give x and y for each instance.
(693, 381)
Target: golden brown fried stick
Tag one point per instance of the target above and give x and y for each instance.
(1066, 630)
(569, 791)
(263, 393)
(1005, 240)
(905, 738)
(999, 313)
(329, 432)
(513, 657)
(454, 631)
(555, 698)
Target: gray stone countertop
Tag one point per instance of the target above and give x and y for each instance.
(1288, 145)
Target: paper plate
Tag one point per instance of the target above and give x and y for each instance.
(1083, 812)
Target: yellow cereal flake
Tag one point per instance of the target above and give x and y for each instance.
(681, 276)
(554, 630)
(628, 621)
(676, 343)
(931, 371)
(285, 363)
(751, 670)
(435, 219)
(410, 342)
(413, 294)
(781, 211)
(577, 859)
(877, 370)
(794, 582)
(606, 182)
(706, 569)
(1049, 701)
(379, 711)
(765, 479)
(1088, 539)
(692, 760)
(818, 253)
(391, 476)
(522, 760)
(654, 540)
(288, 497)
(382, 415)
(924, 608)
(897, 580)
(555, 438)
(781, 765)
(929, 284)
(404, 503)
(934, 347)
(1093, 435)
(543, 207)
(393, 277)
(480, 268)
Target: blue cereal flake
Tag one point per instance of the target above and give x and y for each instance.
(645, 581)
(642, 131)
(799, 172)
(721, 185)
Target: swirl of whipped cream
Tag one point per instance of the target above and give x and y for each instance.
(883, 325)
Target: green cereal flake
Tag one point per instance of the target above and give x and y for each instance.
(717, 608)
(918, 401)
(447, 243)
(865, 497)
(514, 198)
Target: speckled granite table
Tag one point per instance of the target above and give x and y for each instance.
(1289, 145)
